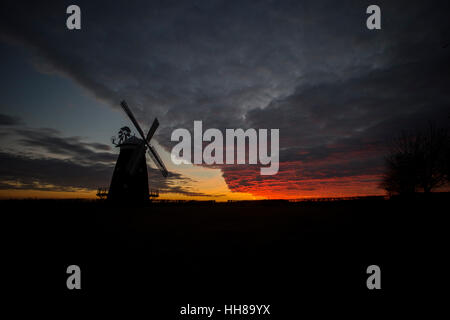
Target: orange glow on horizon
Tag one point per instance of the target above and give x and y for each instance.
(41, 194)
(261, 194)
(244, 184)
(91, 195)
(364, 185)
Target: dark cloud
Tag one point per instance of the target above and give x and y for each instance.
(6, 120)
(336, 90)
(186, 191)
(46, 173)
(50, 174)
(59, 163)
(52, 141)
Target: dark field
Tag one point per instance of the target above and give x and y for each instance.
(290, 255)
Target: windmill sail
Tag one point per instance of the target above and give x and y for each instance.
(130, 177)
(154, 155)
(152, 130)
(132, 118)
(157, 160)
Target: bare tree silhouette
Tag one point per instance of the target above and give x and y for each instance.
(417, 161)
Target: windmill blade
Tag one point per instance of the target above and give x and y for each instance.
(130, 115)
(135, 158)
(157, 160)
(152, 130)
(152, 151)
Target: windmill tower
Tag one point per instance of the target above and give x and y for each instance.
(130, 177)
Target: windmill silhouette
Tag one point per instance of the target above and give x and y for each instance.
(129, 182)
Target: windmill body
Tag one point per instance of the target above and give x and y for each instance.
(129, 182)
(124, 186)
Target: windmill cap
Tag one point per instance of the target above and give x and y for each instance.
(131, 140)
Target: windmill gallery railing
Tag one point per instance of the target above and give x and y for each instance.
(153, 193)
(102, 193)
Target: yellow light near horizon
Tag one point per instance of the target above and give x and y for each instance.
(208, 183)
(41, 194)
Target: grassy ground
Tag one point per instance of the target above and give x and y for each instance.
(261, 252)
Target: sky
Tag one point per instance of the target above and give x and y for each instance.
(336, 91)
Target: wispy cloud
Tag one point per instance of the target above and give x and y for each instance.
(44, 159)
